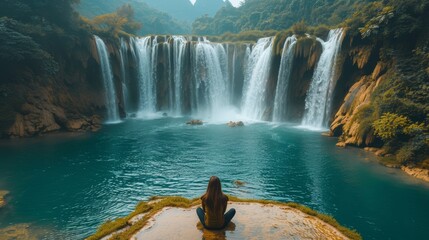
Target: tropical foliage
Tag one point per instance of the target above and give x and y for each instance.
(399, 110)
(26, 28)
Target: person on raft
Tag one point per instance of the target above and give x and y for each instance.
(214, 204)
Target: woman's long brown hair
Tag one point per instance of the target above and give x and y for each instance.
(214, 196)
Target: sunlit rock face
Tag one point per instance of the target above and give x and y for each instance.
(362, 73)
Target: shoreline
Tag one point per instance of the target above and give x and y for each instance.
(383, 159)
(419, 173)
(415, 172)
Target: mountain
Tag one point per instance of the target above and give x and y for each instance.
(179, 9)
(209, 7)
(184, 10)
(153, 20)
(275, 15)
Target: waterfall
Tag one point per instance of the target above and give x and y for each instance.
(211, 81)
(232, 79)
(170, 77)
(106, 70)
(146, 76)
(319, 95)
(179, 48)
(280, 101)
(258, 69)
(124, 76)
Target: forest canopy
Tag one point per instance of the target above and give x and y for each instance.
(27, 28)
(274, 15)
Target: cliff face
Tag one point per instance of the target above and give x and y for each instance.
(70, 100)
(360, 75)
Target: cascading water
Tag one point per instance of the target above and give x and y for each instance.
(106, 70)
(123, 64)
(210, 80)
(258, 69)
(179, 48)
(212, 94)
(280, 101)
(232, 79)
(320, 93)
(146, 80)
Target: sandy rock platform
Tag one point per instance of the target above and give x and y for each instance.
(252, 221)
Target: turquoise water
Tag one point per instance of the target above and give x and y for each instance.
(69, 185)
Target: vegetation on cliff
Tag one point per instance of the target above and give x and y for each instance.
(26, 28)
(393, 36)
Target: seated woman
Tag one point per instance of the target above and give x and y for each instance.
(214, 204)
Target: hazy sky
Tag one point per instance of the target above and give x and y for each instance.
(234, 3)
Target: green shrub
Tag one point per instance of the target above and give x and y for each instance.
(390, 125)
(321, 31)
(413, 150)
(300, 28)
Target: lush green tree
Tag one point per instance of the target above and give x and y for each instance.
(16, 46)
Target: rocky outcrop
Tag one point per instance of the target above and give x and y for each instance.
(270, 219)
(71, 100)
(84, 124)
(20, 231)
(3, 194)
(418, 173)
(251, 216)
(235, 124)
(195, 122)
(42, 114)
(351, 128)
(345, 125)
(24, 231)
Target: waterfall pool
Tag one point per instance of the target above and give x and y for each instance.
(69, 185)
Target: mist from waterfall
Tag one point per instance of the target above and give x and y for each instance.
(109, 86)
(257, 73)
(319, 96)
(280, 101)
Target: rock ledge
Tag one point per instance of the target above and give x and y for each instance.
(175, 218)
